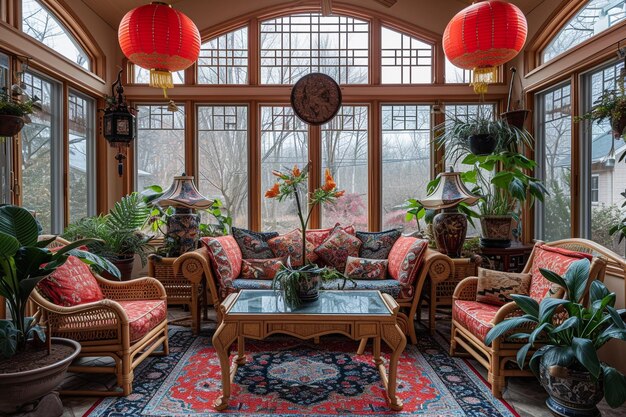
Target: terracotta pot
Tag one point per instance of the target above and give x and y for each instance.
(450, 228)
(496, 231)
(22, 388)
(516, 118)
(309, 286)
(572, 392)
(10, 125)
(482, 144)
(125, 265)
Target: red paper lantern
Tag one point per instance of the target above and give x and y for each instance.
(484, 36)
(161, 39)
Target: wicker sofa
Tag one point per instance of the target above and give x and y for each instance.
(198, 266)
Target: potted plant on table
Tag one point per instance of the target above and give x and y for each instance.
(15, 106)
(611, 106)
(28, 372)
(119, 233)
(301, 283)
(570, 334)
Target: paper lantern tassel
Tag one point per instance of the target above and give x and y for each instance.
(482, 77)
(161, 79)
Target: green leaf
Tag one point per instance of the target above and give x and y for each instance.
(553, 277)
(537, 332)
(533, 364)
(527, 304)
(547, 307)
(597, 291)
(617, 319)
(586, 354)
(97, 262)
(19, 223)
(517, 189)
(505, 327)
(521, 355)
(8, 245)
(614, 386)
(570, 322)
(8, 339)
(502, 179)
(558, 355)
(576, 278)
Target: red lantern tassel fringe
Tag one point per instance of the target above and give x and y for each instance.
(161, 79)
(482, 77)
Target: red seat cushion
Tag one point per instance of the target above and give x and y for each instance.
(143, 316)
(554, 259)
(71, 284)
(474, 316)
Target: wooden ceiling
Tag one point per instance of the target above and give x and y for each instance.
(112, 11)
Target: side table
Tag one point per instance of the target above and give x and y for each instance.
(179, 290)
(439, 293)
(511, 259)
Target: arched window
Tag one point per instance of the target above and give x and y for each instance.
(595, 17)
(224, 60)
(39, 23)
(295, 45)
(405, 59)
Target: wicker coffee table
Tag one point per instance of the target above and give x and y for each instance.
(359, 315)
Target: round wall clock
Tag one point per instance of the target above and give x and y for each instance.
(316, 98)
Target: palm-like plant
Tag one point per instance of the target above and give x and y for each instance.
(24, 261)
(569, 332)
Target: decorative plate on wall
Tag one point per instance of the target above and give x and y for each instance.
(316, 98)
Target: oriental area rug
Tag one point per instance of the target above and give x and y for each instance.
(289, 377)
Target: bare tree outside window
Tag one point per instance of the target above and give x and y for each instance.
(595, 17)
(224, 60)
(41, 24)
(405, 59)
(81, 144)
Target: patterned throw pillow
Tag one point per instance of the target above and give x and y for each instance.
(260, 268)
(377, 245)
(225, 258)
(336, 249)
(318, 236)
(290, 245)
(254, 245)
(71, 284)
(553, 259)
(362, 268)
(496, 287)
(405, 260)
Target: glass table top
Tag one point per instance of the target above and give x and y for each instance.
(351, 302)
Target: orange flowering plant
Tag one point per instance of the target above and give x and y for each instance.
(290, 182)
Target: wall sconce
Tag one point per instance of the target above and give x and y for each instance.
(120, 127)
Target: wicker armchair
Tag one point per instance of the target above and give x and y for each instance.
(108, 328)
(471, 320)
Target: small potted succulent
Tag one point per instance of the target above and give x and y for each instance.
(611, 106)
(15, 106)
(567, 335)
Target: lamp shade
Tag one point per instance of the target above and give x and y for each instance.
(161, 39)
(450, 192)
(483, 36)
(183, 193)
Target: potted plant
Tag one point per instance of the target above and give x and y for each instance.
(301, 284)
(516, 117)
(611, 106)
(14, 110)
(499, 177)
(28, 371)
(570, 334)
(119, 233)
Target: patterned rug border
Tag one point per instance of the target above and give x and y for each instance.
(505, 409)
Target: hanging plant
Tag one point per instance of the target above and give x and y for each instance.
(611, 106)
(15, 106)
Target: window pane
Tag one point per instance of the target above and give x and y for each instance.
(607, 175)
(595, 17)
(405, 60)
(283, 144)
(344, 152)
(142, 76)
(456, 75)
(554, 138)
(81, 152)
(160, 145)
(5, 145)
(38, 138)
(223, 158)
(293, 46)
(41, 24)
(224, 60)
(406, 160)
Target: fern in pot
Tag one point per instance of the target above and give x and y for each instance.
(567, 335)
(300, 284)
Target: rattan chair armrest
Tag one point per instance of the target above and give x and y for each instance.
(146, 288)
(466, 289)
(510, 309)
(440, 267)
(194, 265)
(105, 306)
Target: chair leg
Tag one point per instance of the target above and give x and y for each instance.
(125, 378)
(166, 342)
(452, 339)
(411, 325)
(432, 309)
(495, 378)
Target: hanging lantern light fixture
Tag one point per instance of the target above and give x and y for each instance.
(120, 127)
(161, 39)
(482, 37)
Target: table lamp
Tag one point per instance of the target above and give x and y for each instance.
(449, 226)
(183, 225)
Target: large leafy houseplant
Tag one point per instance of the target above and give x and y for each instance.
(119, 231)
(24, 261)
(611, 106)
(293, 281)
(566, 333)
